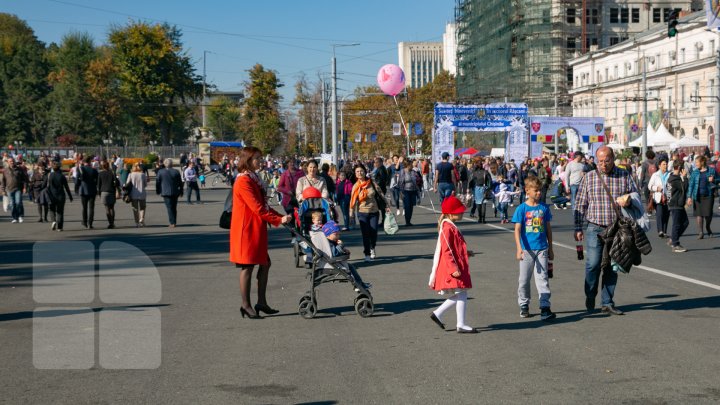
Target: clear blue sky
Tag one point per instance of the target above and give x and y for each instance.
(291, 37)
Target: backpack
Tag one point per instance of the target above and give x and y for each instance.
(649, 170)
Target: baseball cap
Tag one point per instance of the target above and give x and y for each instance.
(445, 155)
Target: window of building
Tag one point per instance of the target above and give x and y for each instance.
(657, 15)
(598, 78)
(697, 94)
(570, 16)
(669, 98)
(607, 71)
(683, 100)
(682, 55)
(711, 83)
(635, 13)
(614, 41)
(614, 15)
(571, 43)
(624, 15)
(591, 16)
(615, 71)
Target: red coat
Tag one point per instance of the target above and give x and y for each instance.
(448, 263)
(248, 228)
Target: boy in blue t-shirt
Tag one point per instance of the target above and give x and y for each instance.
(533, 239)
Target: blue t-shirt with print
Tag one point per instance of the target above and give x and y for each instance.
(533, 225)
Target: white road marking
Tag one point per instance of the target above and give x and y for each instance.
(650, 269)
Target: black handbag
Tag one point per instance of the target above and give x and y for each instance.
(225, 219)
(226, 216)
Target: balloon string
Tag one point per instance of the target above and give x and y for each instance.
(401, 117)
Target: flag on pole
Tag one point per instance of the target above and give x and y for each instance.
(541, 138)
(397, 129)
(358, 138)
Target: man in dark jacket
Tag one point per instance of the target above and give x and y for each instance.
(676, 192)
(168, 184)
(329, 182)
(88, 178)
(14, 184)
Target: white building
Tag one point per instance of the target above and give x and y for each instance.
(682, 81)
(421, 62)
(449, 44)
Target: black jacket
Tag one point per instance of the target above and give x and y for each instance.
(168, 183)
(57, 186)
(480, 178)
(107, 182)
(624, 242)
(676, 191)
(88, 178)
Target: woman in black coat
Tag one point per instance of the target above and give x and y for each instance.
(38, 184)
(57, 187)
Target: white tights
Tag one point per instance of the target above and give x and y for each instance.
(459, 301)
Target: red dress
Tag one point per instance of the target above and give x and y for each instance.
(248, 228)
(450, 256)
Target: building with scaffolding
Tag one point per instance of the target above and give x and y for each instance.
(518, 50)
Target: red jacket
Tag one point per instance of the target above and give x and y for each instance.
(248, 228)
(453, 256)
(287, 185)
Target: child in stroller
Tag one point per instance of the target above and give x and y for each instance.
(327, 240)
(313, 204)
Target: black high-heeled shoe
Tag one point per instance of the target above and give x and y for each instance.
(265, 308)
(243, 312)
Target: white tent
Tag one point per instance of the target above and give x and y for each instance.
(689, 142)
(659, 138)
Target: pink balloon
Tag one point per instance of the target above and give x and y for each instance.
(391, 79)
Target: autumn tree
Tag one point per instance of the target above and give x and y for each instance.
(23, 83)
(224, 117)
(101, 77)
(308, 97)
(156, 76)
(261, 123)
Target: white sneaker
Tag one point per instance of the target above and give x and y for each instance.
(53, 226)
(14, 221)
(20, 220)
(372, 253)
(397, 212)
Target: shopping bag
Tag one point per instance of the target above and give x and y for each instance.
(391, 226)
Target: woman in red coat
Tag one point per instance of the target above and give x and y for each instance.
(451, 271)
(248, 231)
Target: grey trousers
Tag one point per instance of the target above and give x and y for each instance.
(534, 262)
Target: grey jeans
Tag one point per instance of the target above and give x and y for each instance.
(534, 262)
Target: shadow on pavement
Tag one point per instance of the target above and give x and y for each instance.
(51, 313)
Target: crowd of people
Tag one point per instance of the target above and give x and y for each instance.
(46, 184)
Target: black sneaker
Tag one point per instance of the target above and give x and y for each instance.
(546, 314)
(524, 311)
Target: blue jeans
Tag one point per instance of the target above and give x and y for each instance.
(445, 190)
(503, 207)
(16, 204)
(573, 193)
(593, 258)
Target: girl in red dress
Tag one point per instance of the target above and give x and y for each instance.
(451, 271)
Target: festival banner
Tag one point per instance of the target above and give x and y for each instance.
(509, 117)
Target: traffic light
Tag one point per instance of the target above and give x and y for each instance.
(672, 23)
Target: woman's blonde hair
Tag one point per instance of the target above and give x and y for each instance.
(136, 167)
(449, 217)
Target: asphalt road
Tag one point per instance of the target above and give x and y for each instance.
(664, 350)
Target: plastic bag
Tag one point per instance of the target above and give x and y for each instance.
(391, 226)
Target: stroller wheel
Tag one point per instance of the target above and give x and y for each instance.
(364, 307)
(307, 308)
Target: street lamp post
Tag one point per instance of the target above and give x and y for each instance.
(333, 98)
(107, 142)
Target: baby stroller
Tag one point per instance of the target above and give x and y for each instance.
(312, 202)
(326, 269)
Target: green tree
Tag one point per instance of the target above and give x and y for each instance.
(224, 117)
(309, 98)
(23, 83)
(261, 119)
(71, 110)
(155, 75)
